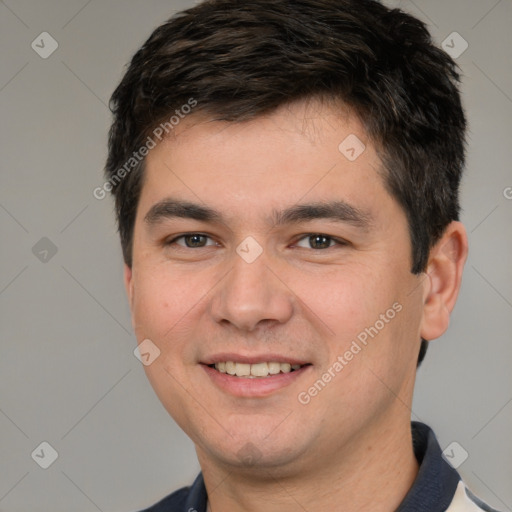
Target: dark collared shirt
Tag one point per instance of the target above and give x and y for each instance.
(437, 487)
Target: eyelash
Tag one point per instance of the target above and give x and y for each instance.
(337, 241)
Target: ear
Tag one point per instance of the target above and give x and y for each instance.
(444, 272)
(128, 284)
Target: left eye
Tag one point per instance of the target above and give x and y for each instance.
(317, 241)
(192, 240)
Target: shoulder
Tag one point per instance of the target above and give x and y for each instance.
(465, 501)
(185, 499)
(175, 501)
(438, 486)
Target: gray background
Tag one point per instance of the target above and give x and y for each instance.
(68, 375)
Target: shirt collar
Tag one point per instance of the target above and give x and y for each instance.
(432, 490)
(436, 482)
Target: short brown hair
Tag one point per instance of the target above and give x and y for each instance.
(240, 59)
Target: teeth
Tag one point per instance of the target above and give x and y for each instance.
(259, 369)
(230, 368)
(255, 370)
(274, 368)
(242, 369)
(286, 367)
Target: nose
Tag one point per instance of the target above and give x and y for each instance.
(251, 295)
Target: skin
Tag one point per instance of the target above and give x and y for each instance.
(352, 441)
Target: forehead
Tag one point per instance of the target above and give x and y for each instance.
(306, 151)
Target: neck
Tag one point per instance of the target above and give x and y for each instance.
(373, 472)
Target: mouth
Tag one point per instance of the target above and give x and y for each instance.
(259, 370)
(254, 377)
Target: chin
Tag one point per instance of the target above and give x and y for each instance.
(251, 459)
(256, 451)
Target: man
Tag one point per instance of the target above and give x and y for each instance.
(286, 182)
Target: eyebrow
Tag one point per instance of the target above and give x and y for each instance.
(337, 211)
(170, 208)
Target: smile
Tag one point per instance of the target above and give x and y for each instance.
(256, 370)
(254, 377)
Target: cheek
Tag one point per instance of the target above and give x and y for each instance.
(344, 301)
(165, 309)
(368, 320)
(162, 302)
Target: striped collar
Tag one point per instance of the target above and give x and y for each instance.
(437, 487)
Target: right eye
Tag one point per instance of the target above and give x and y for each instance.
(192, 240)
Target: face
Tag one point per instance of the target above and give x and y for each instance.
(262, 247)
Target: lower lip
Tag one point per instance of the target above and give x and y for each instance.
(257, 387)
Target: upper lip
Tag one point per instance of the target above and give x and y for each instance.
(252, 359)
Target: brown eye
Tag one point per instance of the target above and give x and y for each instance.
(192, 241)
(319, 241)
(316, 241)
(195, 240)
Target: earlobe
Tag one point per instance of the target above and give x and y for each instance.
(444, 270)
